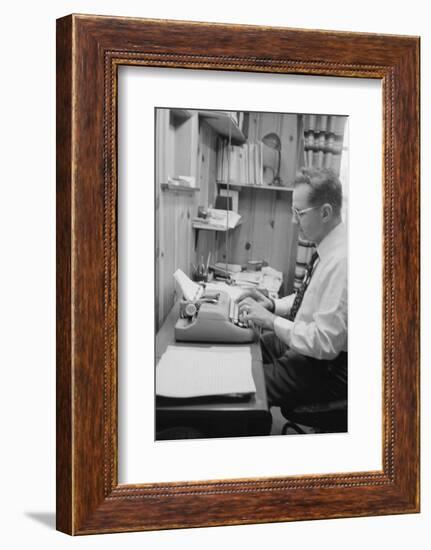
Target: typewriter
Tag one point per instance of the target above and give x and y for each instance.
(212, 318)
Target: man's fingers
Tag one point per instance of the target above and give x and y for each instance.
(243, 296)
(251, 293)
(249, 307)
(245, 306)
(245, 301)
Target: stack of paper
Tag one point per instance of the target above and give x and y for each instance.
(185, 372)
(233, 268)
(223, 218)
(191, 291)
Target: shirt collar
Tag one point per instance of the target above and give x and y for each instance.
(334, 238)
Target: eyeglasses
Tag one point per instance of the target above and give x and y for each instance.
(299, 213)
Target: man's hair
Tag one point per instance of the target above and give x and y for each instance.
(325, 187)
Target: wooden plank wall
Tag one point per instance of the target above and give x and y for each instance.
(206, 170)
(267, 232)
(182, 149)
(286, 126)
(162, 126)
(189, 148)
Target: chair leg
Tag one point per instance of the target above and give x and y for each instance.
(292, 425)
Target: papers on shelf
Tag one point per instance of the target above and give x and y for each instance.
(218, 219)
(223, 218)
(186, 372)
(185, 181)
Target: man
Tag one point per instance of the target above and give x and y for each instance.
(304, 349)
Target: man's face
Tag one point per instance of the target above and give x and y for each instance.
(311, 225)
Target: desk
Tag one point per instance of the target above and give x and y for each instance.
(217, 417)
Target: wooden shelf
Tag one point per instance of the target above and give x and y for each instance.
(224, 125)
(172, 187)
(207, 227)
(259, 187)
(181, 113)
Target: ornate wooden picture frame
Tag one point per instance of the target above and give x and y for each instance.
(89, 51)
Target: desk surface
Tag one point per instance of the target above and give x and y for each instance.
(254, 407)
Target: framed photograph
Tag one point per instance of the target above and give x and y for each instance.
(228, 197)
(244, 247)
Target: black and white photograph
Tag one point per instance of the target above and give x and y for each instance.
(251, 273)
(188, 362)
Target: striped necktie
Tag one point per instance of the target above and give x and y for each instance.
(301, 290)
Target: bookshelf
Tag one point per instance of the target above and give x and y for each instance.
(173, 187)
(182, 144)
(225, 125)
(239, 186)
(191, 143)
(182, 113)
(206, 227)
(180, 131)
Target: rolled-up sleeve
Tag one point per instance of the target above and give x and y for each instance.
(283, 305)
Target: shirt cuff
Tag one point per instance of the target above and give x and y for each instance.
(283, 329)
(282, 306)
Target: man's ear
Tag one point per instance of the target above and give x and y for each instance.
(327, 211)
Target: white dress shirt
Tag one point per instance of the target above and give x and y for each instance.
(320, 326)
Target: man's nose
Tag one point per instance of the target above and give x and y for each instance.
(295, 219)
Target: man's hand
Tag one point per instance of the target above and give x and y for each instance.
(250, 310)
(257, 297)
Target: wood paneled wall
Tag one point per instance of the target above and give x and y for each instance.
(266, 233)
(286, 126)
(190, 151)
(188, 147)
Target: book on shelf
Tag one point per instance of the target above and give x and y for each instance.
(242, 164)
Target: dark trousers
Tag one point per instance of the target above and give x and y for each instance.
(292, 379)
